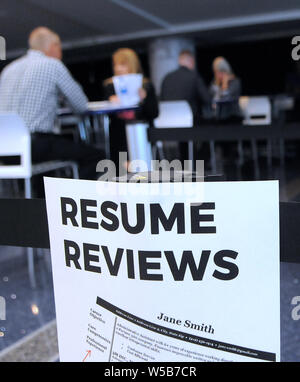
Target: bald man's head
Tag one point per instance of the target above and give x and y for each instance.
(46, 41)
(187, 59)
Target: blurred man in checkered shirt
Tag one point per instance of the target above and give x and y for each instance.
(31, 86)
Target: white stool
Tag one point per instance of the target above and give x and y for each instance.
(16, 141)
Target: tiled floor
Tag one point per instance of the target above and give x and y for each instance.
(38, 346)
(31, 310)
(26, 310)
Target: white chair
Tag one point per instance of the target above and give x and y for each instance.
(15, 141)
(173, 114)
(257, 111)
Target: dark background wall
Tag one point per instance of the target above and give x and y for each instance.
(263, 66)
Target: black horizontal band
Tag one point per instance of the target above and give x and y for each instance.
(226, 132)
(23, 223)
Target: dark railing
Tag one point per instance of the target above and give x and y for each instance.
(23, 223)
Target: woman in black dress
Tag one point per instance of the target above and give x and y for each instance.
(126, 61)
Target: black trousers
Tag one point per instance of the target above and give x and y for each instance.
(48, 147)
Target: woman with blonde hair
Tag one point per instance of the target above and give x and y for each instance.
(126, 61)
(225, 90)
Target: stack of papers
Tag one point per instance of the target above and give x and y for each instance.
(127, 88)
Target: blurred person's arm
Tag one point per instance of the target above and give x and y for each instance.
(231, 87)
(70, 89)
(114, 98)
(109, 91)
(149, 103)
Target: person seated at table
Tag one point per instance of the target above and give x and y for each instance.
(126, 61)
(32, 86)
(225, 91)
(185, 83)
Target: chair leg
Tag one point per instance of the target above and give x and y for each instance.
(255, 158)
(282, 151)
(30, 255)
(191, 155)
(269, 152)
(28, 191)
(213, 159)
(31, 272)
(75, 171)
(160, 150)
(241, 153)
(82, 131)
(154, 152)
(15, 187)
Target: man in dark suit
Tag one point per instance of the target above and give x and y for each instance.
(186, 84)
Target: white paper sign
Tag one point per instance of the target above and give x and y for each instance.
(127, 88)
(161, 278)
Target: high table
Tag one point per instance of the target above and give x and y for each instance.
(229, 132)
(99, 112)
